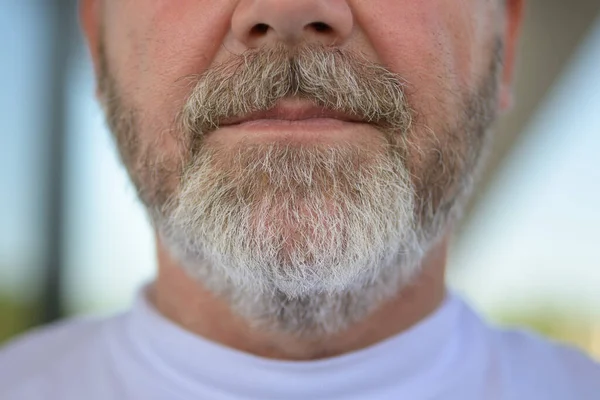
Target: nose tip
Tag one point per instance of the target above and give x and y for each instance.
(257, 23)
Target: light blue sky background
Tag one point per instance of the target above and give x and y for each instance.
(22, 46)
(536, 238)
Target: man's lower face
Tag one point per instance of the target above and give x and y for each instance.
(292, 222)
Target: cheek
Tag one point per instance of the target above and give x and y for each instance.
(432, 44)
(441, 48)
(153, 45)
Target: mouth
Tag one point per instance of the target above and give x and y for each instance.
(296, 121)
(292, 112)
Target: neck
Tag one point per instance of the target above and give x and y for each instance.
(187, 303)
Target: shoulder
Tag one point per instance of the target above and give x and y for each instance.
(44, 345)
(50, 350)
(537, 365)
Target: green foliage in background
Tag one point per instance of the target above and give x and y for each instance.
(552, 323)
(15, 317)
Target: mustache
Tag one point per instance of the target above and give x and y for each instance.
(332, 78)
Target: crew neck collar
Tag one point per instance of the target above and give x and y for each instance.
(405, 361)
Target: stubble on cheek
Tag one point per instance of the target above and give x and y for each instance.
(447, 148)
(154, 172)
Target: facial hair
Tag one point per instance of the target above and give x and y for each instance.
(304, 239)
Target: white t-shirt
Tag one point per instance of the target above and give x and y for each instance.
(139, 355)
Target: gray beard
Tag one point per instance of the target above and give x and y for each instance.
(304, 240)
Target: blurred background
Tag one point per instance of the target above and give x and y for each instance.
(75, 240)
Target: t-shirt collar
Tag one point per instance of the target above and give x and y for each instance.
(408, 359)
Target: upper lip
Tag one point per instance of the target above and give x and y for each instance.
(296, 110)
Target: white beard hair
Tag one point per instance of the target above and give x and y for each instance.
(329, 238)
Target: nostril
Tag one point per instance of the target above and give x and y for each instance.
(320, 27)
(259, 30)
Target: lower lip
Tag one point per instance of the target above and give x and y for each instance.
(311, 129)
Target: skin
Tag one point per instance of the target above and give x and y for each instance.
(441, 48)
